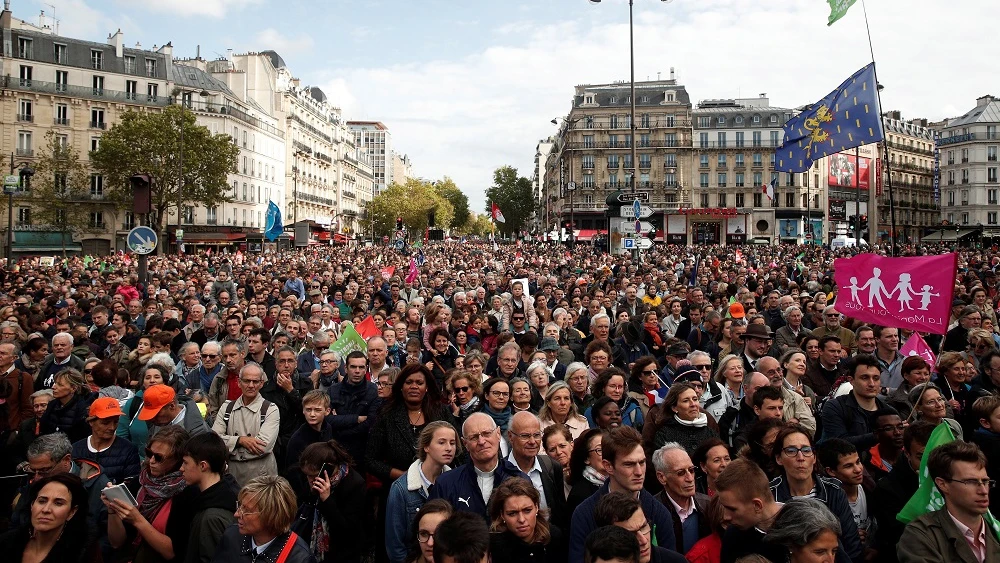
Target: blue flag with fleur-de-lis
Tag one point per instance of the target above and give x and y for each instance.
(846, 118)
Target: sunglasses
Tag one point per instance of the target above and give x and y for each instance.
(158, 458)
(209, 356)
(462, 389)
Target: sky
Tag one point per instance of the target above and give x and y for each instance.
(467, 86)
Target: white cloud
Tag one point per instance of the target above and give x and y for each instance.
(467, 115)
(77, 19)
(188, 8)
(272, 39)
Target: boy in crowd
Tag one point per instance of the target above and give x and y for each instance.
(316, 428)
(841, 460)
(210, 497)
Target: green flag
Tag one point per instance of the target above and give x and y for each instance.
(348, 342)
(838, 9)
(928, 498)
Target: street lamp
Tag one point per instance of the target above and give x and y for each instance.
(631, 56)
(24, 171)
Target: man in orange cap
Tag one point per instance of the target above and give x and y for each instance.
(117, 456)
(162, 406)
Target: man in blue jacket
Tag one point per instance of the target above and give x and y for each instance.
(468, 488)
(625, 463)
(353, 404)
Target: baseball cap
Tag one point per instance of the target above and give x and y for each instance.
(61, 304)
(736, 311)
(105, 407)
(154, 399)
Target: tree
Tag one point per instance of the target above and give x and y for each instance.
(459, 201)
(478, 225)
(512, 194)
(149, 143)
(60, 190)
(413, 202)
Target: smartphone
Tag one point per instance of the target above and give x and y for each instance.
(327, 468)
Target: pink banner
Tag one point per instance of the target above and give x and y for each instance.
(915, 346)
(913, 292)
(411, 276)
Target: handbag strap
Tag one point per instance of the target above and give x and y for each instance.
(287, 549)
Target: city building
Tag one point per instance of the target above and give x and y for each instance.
(374, 138)
(401, 169)
(967, 151)
(910, 145)
(593, 149)
(540, 221)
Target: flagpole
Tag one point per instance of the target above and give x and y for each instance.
(885, 144)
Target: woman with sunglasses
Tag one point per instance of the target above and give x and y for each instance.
(153, 528)
(644, 379)
(798, 476)
(467, 389)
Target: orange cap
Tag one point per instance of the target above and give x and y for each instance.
(105, 407)
(154, 399)
(736, 311)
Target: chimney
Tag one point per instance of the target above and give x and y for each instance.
(984, 100)
(229, 55)
(118, 42)
(197, 52)
(671, 73)
(167, 50)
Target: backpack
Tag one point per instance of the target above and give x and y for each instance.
(232, 405)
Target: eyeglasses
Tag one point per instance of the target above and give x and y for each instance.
(209, 356)
(500, 394)
(382, 384)
(423, 536)
(834, 316)
(243, 511)
(464, 389)
(703, 367)
(938, 401)
(530, 436)
(322, 362)
(41, 472)
(988, 483)
(649, 372)
(598, 450)
(158, 458)
(792, 451)
(484, 435)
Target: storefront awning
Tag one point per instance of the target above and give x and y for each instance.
(212, 238)
(70, 247)
(948, 235)
(588, 234)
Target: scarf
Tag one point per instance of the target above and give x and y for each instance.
(469, 407)
(502, 419)
(319, 541)
(156, 491)
(699, 422)
(594, 476)
(653, 330)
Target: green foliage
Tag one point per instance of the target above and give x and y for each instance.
(512, 194)
(459, 201)
(60, 190)
(478, 225)
(412, 201)
(150, 143)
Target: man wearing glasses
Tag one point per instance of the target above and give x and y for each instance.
(958, 531)
(211, 364)
(525, 436)
(831, 325)
(249, 427)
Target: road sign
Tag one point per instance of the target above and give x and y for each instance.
(636, 207)
(629, 225)
(10, 183)
(571, 186)
(628, 243)
(638, 224)
(626, 197)
(644, 243)
(142, 240)
(644, 212)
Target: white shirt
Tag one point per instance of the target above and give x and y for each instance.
(485, 481)
(96, 451)
(535, 475)
(682, 512)
(179, 419)
(260, 548)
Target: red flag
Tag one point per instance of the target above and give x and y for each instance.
(411, 276)
(912, 292)
(367, 328)
(388, 271)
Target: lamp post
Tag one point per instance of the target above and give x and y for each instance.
(26, 171)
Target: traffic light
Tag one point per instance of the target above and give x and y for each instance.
(399, 223)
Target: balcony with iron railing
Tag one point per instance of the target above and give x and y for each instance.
(24, 152)
(302, 147)
(86, 92)
(302, 123)
(199, 106)
(25, 118)
(98, 125)
(64, 121)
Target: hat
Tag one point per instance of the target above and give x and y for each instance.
(105, 407)
(630, 333)
(548, 344)
(154, 399)
(61, 304)
(736, 311)
(759, 331)
(315, 293)
(689, 374)
(957, 302)
(679, 349)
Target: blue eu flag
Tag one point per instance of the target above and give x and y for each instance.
(846, 118)
(273, 226)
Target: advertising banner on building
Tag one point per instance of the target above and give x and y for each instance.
(838, 210)
(846, 171)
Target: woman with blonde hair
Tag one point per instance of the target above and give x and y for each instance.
(559, 408)
(955, 380)
(519, 528)
(265, 511)
(729, 374)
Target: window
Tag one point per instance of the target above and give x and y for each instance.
(965, 155)
(588, 180)
(187, 215)
(671, 139)
(95, 143)
(758, 199)
(24, 112)
(644, 120)
(62, 80)
(951, 198)
(613, 162)
(772, 159)
(62, 141)
(991, 175)
(758, 179)
(951, 157)
(740, 202)
(774, 118)
(704, 200)
(96, 59)
(965, 176)
(25, 77)
(236, 190)
(244, 165)
(670, 120)
(129, 64)
(628, 162)
(991, 218)
(588, 161)
(670, 97)
(150, 67)
(739, 121)
(98, 85)
(805, 201)
(965, 197)
(644, 140)
(588, 121)
(614, 119)
(131, 86)
(756, 120)
(24, 50)
(670, 179)
(722, 138)
(24, 216)
(739, 136)
(670, 160)
(613, 141)
(97, 219)
(244, 192)
(965, 218)
(722, 179)
(24, 143)
(62, 114)
(790, 179)
(252, 194)
(721, 160)
(775, 141)
(722, 199)
(739, 181)
(703, 140)
(991, 154)
(646, 160)
(703, 179)
(613, 179)
(758, 160)
(129, 223)
(789, 200)
(151, 92)
(97, 118)
(704, 161)
(588, 141)
(756, 138)
(992, 196)
(951, 177)
(704, 121)
(96, 186)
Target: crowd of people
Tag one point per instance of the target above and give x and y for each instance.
(523, 402)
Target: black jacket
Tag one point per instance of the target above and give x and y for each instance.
(989, 443)
(505, 547)
(234, 547)
(892, 492)
(119, 461)
(347, 403)
(844, 418)
(828, 492)
(289, 404)
(700, 506)
(552, 486)
(70, 419)
(348, 519)
(392, 443)
(304, 436)
(207, 514)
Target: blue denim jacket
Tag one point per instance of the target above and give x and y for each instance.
(406, 496)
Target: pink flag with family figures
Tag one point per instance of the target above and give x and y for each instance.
(916, 346)
(912, 292)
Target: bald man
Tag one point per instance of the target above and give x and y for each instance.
(795, 410)
(735, 421)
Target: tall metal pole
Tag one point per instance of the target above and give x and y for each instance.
(631, 56)
(857, 196)
(10, 218)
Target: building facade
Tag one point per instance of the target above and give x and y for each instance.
(910, 145)
(544, 220)
(967, 147)
(401, 169)
(374, 138)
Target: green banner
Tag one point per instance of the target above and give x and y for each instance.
(348, 342)
(928, 498)
(838, 9)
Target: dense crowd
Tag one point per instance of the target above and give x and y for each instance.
(514, 403)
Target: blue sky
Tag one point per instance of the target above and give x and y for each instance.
(466, 86)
